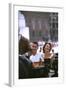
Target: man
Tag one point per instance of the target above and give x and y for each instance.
(25, 65)
(35, 57)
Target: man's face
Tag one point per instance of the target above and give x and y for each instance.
(34, 49)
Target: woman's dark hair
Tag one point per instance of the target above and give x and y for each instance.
(45, 45)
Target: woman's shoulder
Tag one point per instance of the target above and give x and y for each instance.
(51, 55)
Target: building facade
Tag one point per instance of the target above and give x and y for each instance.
(42, 25)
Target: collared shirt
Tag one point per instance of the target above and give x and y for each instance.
(37, 57)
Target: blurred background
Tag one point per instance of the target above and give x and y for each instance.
(39, 27)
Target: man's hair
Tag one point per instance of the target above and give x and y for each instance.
(36, 43)
(23, 45)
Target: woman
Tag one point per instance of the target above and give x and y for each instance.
(48, 56)
(46, 50)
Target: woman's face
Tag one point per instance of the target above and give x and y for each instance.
(47, 48)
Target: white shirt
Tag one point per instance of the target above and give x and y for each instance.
(36, 58)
